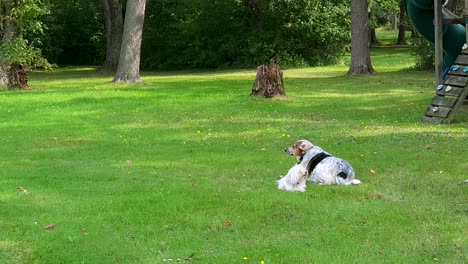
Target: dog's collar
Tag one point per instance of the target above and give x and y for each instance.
(315, 160)
(301, 158)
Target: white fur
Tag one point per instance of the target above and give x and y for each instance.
(295, 180)
(325, 173)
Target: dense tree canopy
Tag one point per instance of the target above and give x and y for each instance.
(188, 33)
(207, 34)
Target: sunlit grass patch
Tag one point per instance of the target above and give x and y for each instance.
(184, 167)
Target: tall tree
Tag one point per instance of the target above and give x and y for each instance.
(114, 30)
(128, 69)
(360, 46)
(403, 24)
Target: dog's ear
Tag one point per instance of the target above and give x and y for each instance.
(305, 145)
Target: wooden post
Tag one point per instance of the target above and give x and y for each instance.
(465, 14)
(439, 49)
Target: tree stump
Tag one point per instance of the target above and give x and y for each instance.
(3, 75)
(269, 81)
(17, 76)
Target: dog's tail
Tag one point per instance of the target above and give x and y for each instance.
(341, 179)
(354, 182)
(351, 182)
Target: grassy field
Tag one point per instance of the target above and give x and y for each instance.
(182, 169)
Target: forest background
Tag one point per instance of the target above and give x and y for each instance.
(213, 34)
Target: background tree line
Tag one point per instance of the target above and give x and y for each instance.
(207, 34)
(202, 34)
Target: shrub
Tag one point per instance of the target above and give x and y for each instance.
(296, 33)
(423, 50)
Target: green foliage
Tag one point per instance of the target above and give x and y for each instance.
(22, 46)
(423, 51)
(26, 16)
(386, 5)
(206, 34)
(21, 52)
(181, 34)
(76, 33)
(382, 11)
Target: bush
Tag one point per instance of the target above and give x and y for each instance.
(423, 50)
(187, 34)
(21, 52)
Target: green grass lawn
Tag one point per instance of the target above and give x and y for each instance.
(184, 167)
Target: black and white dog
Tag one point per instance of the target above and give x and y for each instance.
(322, 167)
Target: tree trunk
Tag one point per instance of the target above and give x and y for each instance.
(10, 75)
(373, 36)
(403, 24)
(128, 69)
(16, 76)
(251, 7)
(269, 81)
(395, 21)
(3, 75)
(360, 48)
(114, 31)
(9, 31)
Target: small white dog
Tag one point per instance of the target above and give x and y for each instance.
(295, 180)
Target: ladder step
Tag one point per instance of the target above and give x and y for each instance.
(437, 111)
(452, 91)
(462, 59)
(432, 120)
(456, 80)
(451, 97)
(444, 101)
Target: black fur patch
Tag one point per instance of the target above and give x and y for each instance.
(343, 175)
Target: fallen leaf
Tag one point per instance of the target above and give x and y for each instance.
(83, 230)
(227, 223)
(50, 227)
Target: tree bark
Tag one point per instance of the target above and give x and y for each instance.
(3, 75)
(360, 48)
(402, 25)
(128, 69)
(269, 81)
(17, 77)
(373, 36)
(14, 76)
(114, 31)
(251, 7)
(9, 31)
